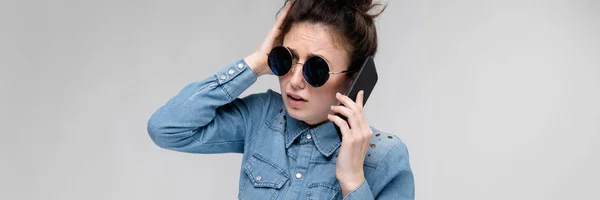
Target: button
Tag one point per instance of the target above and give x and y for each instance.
(230, 72)
(308, 136)
(258, 178)
(240, 66)
(223, 77)
(298, 175)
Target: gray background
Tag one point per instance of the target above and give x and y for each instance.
(495, 99)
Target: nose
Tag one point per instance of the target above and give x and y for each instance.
(297, 80)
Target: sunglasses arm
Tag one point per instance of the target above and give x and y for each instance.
(345, 71)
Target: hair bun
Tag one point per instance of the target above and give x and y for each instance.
(350, 20)
(365, 8)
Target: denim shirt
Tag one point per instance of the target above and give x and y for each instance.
(283, 158)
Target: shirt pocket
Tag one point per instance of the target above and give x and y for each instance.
(264, 178)
(324, 191)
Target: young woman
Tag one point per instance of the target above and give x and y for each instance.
(289, 141)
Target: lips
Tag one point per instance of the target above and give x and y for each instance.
(295, 97)
(295, 101)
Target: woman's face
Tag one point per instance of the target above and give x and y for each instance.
(305, 40)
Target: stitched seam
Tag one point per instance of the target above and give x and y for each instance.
(276, 184)
(381, 160)
(327, 185)
(248, 168)
(321, 162)
(269, 108)
(336, 194)
(356, 189)
(329, 151)
(243, 187)
(202, 89)
(268, 123)
(291, 156)
(221, 142)
(255, 133)
(226, 93)
(369, 164)
(333, 163)
(261, 158)
(297, 134)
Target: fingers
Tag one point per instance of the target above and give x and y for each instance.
(282, 16)
(275, 33)
(347, 102)
(353, 119)
(258, 59)
(359, 98)
(340, 123)
(351, 110)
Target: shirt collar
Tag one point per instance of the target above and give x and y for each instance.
(324, 135)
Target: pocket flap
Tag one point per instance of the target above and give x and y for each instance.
(264, 173)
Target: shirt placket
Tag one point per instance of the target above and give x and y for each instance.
(302, 163)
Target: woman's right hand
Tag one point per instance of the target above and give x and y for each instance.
(258, 60)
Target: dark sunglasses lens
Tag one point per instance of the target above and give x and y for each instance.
(316, 71)
(280, 61)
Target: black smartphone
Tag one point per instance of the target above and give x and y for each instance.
(364, 80)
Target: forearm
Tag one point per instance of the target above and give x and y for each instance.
(256, 62)
(195, 106)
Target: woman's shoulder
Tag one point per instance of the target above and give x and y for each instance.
(385, 147)
(268, 102)
(392, 169)
(269, 98)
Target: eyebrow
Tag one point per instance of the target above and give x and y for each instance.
(295, 53)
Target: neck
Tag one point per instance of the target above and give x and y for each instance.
(312, 125)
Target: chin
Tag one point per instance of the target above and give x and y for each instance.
(299, 113)
(303, 115)
(296, 113)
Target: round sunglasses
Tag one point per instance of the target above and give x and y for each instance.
(315, 70)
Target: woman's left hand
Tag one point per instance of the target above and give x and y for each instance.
(355, 142)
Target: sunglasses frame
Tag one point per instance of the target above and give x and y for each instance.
(294, 63)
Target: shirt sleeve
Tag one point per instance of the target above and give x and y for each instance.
(362, 192)
(208, 116)
(395, 178)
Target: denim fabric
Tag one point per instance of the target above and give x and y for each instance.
(283, 158)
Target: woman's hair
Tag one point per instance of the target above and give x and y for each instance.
(350, 19)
